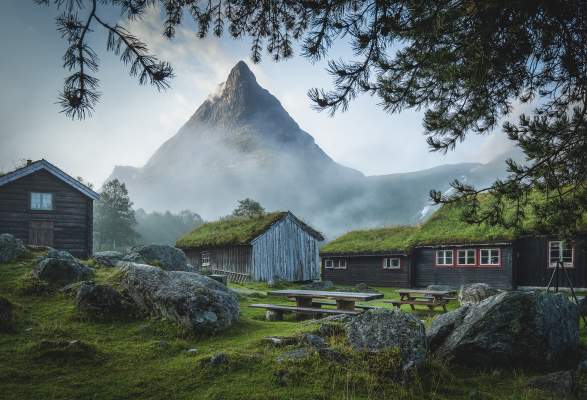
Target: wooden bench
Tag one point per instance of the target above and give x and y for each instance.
(319, 303)
(412, 303)
(277, 311)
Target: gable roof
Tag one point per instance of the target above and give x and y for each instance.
(235, 231)
(387, 240)
(53, 170)
(445, 227)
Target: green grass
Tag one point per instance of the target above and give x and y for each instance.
(147, 359)
(398, 238)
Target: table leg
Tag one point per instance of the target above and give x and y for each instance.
(304, 302)
(345, 305)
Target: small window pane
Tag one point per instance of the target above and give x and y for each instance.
(466, 257)
(41, 201)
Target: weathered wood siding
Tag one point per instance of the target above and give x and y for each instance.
(285, 251)
(233, 259)
(532, 263)
(71, 215)
(369, 270)
(427, 273)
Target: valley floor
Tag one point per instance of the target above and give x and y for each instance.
(148, 359)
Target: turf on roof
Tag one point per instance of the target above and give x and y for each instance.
(229, 231)
(373, 240)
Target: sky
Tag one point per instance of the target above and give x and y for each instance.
(132, 121)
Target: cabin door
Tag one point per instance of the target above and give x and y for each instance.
(41, 233)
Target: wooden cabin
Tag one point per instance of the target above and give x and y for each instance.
(43, 206)
(273, 246)
(448, 251)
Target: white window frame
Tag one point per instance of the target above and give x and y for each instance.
(329, 263)
(205, 256)
(389, 261)
(466, 264)
(41, 201)
(444, 257)
(489, 256)
(561, 247)
(341, 263)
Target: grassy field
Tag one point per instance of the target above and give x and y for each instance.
(148, 359)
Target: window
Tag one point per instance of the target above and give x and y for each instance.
(560, 251)
(329, 264)
(444, 257)
(342, 263)
(466, 257)
(205, 258)
(41, 201)
(391, 263)
(489, 257)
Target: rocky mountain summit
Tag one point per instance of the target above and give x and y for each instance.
(241, 142)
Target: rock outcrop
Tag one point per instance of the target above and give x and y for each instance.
(192, 300)
(11, 248)
(166, 257)
(60, 268)
(475, 293)
(108, 258)
(100, 301)
(511, 328)
(378, 330)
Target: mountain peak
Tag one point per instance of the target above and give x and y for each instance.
(240, 78)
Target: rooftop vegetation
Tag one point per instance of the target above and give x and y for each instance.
(396, 238)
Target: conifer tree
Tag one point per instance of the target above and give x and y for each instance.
(114, 218)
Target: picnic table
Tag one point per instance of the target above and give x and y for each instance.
(424, 297)
(311, 301)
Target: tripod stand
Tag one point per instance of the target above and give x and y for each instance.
(560, 266)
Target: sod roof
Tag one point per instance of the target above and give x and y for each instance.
(446, 226)
(381, 240)
(235, 231)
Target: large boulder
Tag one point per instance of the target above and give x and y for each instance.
(511, 328)
(474, 293)
(100, 301)
(108, 258)
(194, 301)
(379, 330)
(6, 315)
(167, 257)
(11, 248)
(61, 269)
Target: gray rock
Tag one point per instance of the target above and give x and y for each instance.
(314, 341)
(62, 254)
(513, 328)
(166, 257)
(561, 383)
(294, 355)
(6, 315)
(443, 325)
(280, 341)
(192, 300)
(272, 315)
(11, 248)
(475, 293)
(331, 355)
(318, 285)
(72, 289)
(100, 301)
(377, 330)
(108, 258)
(219, 359)
(192, 352)
(62, 269)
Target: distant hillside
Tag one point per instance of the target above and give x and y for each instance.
(241, 142)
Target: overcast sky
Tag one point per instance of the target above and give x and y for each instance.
(131, 121)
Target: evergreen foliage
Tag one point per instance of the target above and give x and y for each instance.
(114, 218)
(164, 228)
(466, 63)
(248, 208)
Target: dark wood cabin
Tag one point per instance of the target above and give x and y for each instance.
(447, 251)
(273, 246)
(44, 206)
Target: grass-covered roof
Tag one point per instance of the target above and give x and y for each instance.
(446, 226)
(379, 240)
(234, 231)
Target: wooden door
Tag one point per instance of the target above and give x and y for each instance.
(41, 233)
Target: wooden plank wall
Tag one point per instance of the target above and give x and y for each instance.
(286, 251)
(72, 214)
(369, 270)
(233, 258)
(532, 263)
(426, 273)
